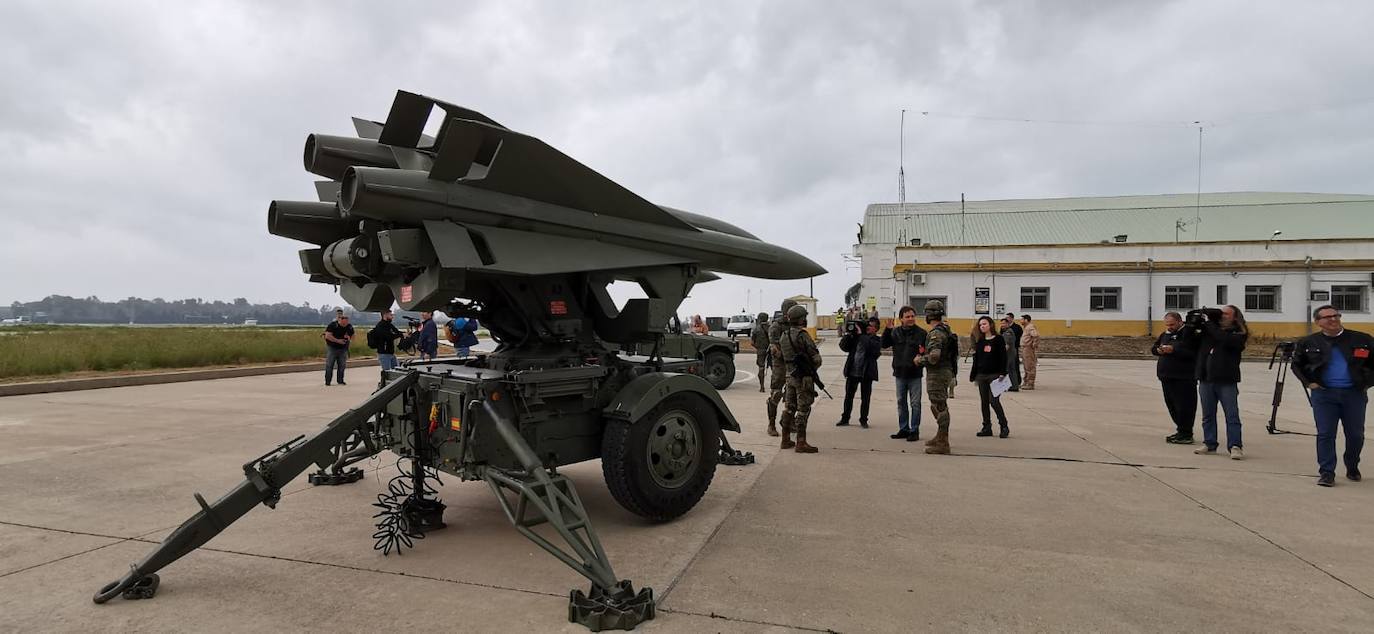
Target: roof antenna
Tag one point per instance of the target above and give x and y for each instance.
(901, 161)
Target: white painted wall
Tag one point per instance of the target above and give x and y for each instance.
(1070, 292)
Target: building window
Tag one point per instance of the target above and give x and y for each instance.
(1348, 298)
(1035, 298)
(1104, 298)
(1262, 298)
(1221, 295)
(1180, 297)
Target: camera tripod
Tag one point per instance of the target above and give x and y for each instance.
(1283, 357)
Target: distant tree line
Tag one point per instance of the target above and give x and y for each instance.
(60, 309)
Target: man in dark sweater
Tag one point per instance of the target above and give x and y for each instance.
(907, 342)
(860, 368)
(1176, 370)
(1335, 364)
(338, 335)
(384, 336)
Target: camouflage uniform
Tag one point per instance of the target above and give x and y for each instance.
(801, 391)
(941, 348)
(759, 337)
(778, 382)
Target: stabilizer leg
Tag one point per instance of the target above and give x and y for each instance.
(731, 456)
(359, 446)
(263, 480)
(542, 497)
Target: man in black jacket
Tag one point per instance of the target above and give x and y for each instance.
(1177, 352)
(1218, 375)
(860, 368)
(1335, 364)
(907, 342)
(383, 339)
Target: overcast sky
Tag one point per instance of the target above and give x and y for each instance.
(142, 142)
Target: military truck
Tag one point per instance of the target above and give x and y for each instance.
(715, 354)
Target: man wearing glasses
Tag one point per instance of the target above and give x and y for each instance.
(1335, 364)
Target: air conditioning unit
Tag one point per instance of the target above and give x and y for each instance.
(916, 279)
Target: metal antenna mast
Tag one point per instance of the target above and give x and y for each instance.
(901, 160)
(1197, 202)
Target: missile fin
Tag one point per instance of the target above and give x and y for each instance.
(505, 161)
(367, 129)
(405, 124)
(328, 191)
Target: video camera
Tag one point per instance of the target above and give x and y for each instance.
(855, 327)
(1198, 316)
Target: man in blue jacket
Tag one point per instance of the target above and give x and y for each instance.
(1335, 364)
(462, 332)
(428, 340)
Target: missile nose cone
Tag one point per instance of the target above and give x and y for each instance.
(799, 265)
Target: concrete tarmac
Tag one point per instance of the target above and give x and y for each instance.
(1083, 520)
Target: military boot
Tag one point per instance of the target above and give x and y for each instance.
(986, 430)
(940, 443)
(802, 447)
(761, 390)
(772, 429)
(787, 434)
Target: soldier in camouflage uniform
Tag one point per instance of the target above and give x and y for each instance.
(801, 391)
(942, 350)
(778, 384)
(759, 337)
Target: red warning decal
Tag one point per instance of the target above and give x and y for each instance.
(407, 294)
(558, 307)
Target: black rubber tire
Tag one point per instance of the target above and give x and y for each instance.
(624, 460)
(723, 377)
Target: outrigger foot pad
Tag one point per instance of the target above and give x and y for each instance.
(619, 609)
(130, 588)
(735, 457)
(325, 478)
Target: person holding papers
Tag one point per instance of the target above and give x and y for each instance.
(989, 372)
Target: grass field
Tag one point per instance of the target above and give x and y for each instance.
(47, 351)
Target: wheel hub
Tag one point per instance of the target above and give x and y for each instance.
(674, 449)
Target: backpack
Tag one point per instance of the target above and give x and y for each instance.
(374, 338)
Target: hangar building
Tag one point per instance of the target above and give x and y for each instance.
(1113, 266)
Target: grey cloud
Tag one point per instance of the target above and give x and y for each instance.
(147, 138)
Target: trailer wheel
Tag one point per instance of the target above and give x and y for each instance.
(719, 368)
(660, 465)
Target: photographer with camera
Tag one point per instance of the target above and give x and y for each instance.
(1223, 337)
(1335, 364)
(907, 341)
(382, 338)
(1177, 373)
(863, 346)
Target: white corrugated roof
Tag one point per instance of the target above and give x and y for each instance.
(1227, 216)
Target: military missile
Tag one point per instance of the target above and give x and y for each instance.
(411, 216)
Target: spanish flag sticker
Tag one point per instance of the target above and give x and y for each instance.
(455, 424)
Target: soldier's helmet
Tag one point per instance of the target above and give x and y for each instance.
(796, 314)
(935, 309)
(763, 317)
(787, 304)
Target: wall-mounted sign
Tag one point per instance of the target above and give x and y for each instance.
(1321, 296)
(982, 300)
(1001, 309)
